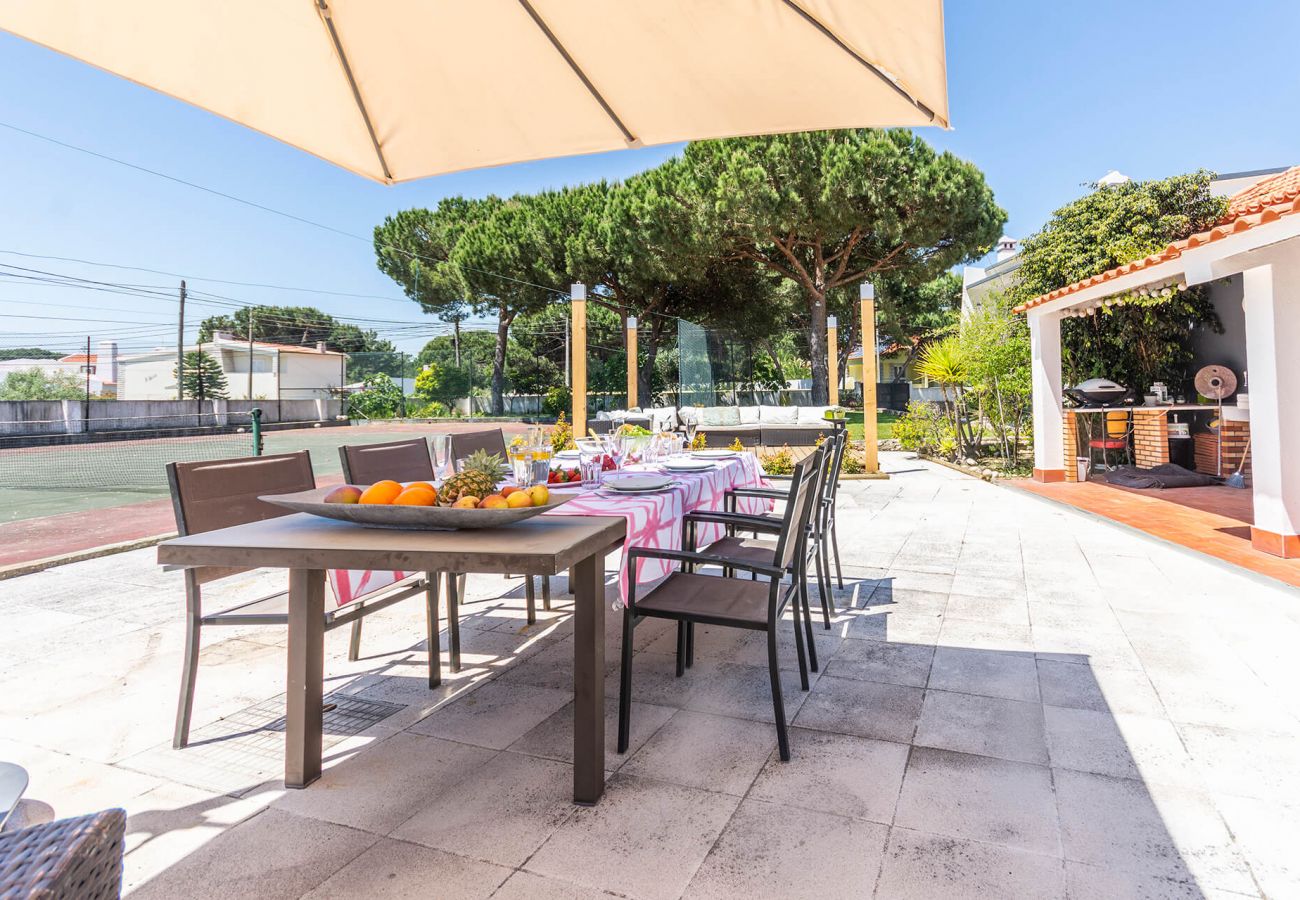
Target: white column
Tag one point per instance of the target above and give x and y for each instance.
(1045, 350)
(1272, 303)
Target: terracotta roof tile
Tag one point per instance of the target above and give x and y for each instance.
(1265, 201)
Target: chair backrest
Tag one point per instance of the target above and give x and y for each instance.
(224, 492)
(837, 443)
(398, 460)
(493, 440)
(799, 507)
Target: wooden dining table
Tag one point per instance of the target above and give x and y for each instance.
(307, 546)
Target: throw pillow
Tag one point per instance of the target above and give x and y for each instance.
(748, 415)
(721, 416)
(778, 415)
(813, 415)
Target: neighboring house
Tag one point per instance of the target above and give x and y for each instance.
(103, 368)
(977, 283)
(279, 371)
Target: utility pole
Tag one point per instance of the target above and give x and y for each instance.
(455, 340)
(250, 354)
(85, 412)
(180, 347)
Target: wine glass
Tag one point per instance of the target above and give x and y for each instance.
(441, 445)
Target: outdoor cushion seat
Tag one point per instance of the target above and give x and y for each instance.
(700, 596)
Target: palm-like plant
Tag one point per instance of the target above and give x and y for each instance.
(944, 362)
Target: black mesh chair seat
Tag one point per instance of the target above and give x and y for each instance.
(748, 549)
(709, 599)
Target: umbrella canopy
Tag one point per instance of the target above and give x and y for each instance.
(403, 89)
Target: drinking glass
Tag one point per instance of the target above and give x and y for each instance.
(690, 432)
(591, 455)
(441, 445)
(617, 447)
(676, 444)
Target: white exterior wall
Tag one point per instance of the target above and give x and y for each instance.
(146, 377)
(234, 363)
(309, 376)
(1271, 296)
(1045, 360)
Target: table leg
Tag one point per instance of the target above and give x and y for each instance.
(306, 675)
(589, 680)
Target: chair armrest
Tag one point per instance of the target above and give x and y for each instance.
(685, 556)
(768, 493)
(743, 521)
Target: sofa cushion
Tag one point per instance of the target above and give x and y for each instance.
(778, 415)
(720, 415)
(748, 415)
(662, 418)
(689, 415)
(813, 415)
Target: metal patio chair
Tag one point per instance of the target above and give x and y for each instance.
(733, 546)
(493, 440)
(825, 540)
(689, 597)
(221, 493)
(404, 461)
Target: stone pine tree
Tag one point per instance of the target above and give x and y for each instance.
(830, 209)
(202, 378)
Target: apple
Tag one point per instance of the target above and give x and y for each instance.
(344, 494)
(466, 502)
(520, 500)
(539, 493)
(494, 501)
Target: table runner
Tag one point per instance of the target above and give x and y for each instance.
(655, 520)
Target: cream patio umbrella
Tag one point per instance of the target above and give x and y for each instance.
(403, 89)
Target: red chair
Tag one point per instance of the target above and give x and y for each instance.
(1118, 432)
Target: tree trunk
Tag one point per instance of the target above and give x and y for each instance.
(499, 364)
(817, 346)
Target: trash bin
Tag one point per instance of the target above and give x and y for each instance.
(1182, 451)
(1083, 465)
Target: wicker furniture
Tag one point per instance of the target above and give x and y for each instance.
(207, 496)
(70, 859)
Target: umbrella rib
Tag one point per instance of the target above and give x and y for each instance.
(323, 8)
(577, 70)
(839, 42)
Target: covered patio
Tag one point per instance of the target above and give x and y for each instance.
(1254, 254)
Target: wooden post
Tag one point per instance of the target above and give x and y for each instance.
(578, 347)
(870, 372)
(833, 358)
(631, 362)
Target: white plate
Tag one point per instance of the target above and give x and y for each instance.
(714, 454)
(637, 481)
(568, 454)
(688, 465)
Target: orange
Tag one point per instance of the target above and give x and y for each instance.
(422, 484)
(415, 496)
(381, 493)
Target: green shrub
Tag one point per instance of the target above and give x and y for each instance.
(924, 428)
(557, 400)
(379, 398)
(777, 462)
(431, 410)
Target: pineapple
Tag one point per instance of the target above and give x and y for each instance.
(477, 478)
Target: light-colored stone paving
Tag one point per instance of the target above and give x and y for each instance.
(1015, 701)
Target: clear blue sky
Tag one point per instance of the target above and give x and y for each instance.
(1043, 96)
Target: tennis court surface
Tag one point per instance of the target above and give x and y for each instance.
(66, 499)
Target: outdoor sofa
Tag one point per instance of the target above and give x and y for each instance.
(767, 426)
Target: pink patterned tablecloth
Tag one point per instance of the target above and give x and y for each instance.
(655, 520)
